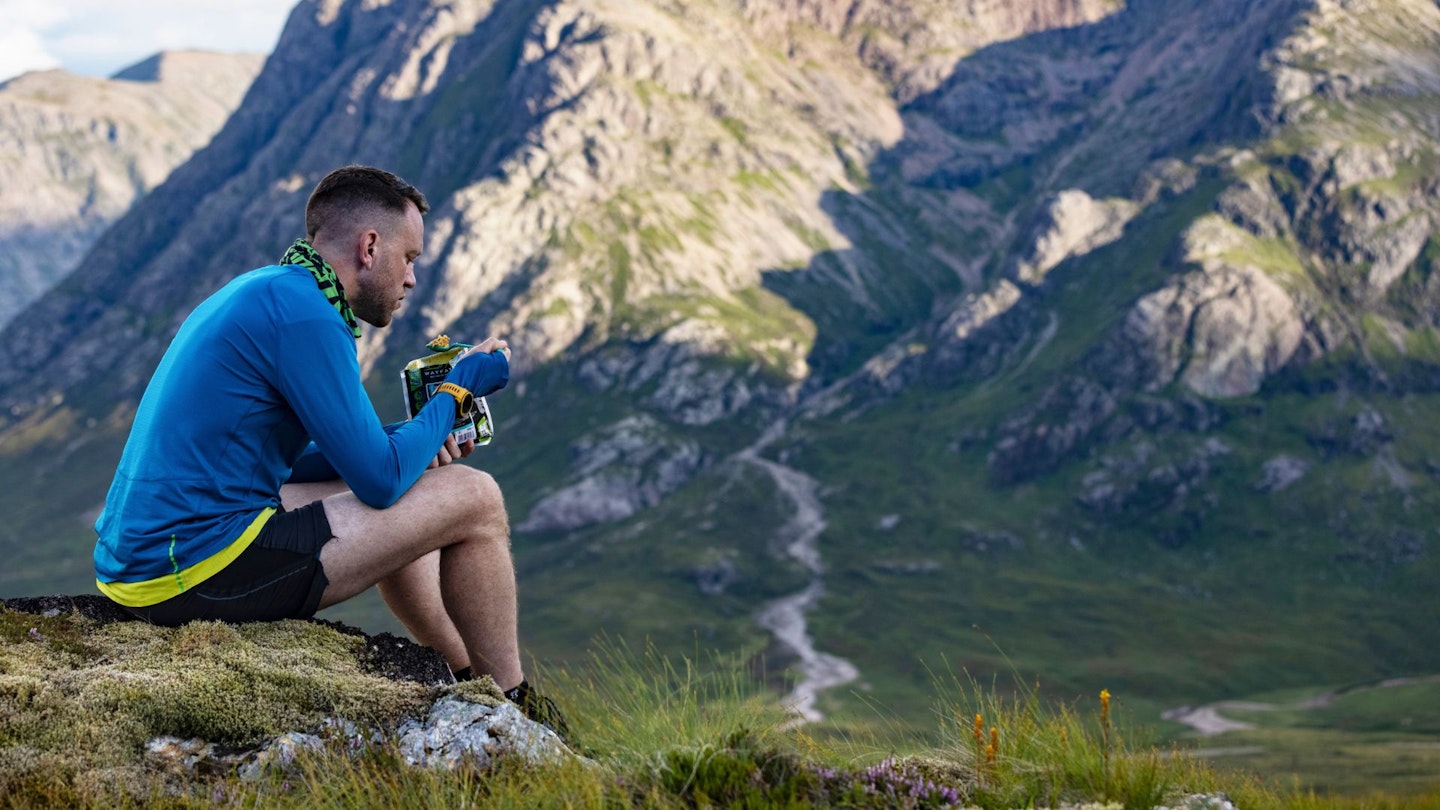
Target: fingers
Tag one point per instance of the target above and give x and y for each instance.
(492, 344)
(448, 453)
(467, 448)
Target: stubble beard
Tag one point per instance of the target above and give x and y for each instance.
(375, 307)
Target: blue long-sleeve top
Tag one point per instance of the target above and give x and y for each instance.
(256, 372)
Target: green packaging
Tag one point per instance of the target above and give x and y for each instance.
(423, 375)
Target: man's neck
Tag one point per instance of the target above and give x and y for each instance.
(346, 272)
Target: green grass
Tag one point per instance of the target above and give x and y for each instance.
(667, 731)
(1359, 739)
(51, 494)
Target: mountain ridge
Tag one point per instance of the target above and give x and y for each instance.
(1123, 324)
(80, 150)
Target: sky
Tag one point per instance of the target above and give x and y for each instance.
(99, 37)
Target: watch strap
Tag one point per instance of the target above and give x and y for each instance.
(464, 400)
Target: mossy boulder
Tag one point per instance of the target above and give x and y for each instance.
(83, 689)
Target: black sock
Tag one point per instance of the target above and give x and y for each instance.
(541, 709)
(462, 675)
(518, 694)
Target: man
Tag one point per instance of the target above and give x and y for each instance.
(258, 483)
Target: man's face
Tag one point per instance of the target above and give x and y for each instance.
(392, 268)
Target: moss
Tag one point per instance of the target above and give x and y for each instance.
(481, 690)
(619, 256)
(756, 180)
(656, 239)
(736, 128)
(78, 698)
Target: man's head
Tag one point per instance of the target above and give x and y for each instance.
(366, 223)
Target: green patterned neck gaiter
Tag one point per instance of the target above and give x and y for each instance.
(301, 254)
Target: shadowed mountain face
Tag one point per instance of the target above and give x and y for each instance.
(1109, 329)
(78, 151)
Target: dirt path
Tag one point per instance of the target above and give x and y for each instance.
(1207, 720)
(785, 617)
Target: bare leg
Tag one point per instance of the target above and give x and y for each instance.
(452, 523)
(413, 595)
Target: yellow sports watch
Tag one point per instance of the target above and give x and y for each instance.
(464, 400)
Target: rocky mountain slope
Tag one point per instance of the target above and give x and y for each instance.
(76, 152)
(1107, 328)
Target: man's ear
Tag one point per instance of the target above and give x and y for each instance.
(368, 244)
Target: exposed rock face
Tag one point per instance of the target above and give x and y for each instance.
(1221, 330)
(1072, 224)
(914, 45)
(641, 172)
(628, 466)
(78, 151)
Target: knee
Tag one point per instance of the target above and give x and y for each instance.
(479, 494)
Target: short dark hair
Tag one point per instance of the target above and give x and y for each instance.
(351, 190)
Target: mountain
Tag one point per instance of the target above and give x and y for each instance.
(78, 151)
(1108, 330)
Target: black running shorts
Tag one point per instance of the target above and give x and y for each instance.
(278, 577)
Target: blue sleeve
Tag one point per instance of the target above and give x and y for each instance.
(312, 466)
(319, 376)
(481, 374)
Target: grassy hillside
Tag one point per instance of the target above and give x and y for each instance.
(656, 731)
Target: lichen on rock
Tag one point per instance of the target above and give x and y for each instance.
(119, 706)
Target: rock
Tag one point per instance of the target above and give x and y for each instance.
(1037, 439)
(187, 757)
(1172, 491)
(914, 44)
(911, 568)
(717, 573)
(1280, 473)
(1165, 178)
(457, 732)
(279, 754)
(976, 310)
(616, 472)
(1201, 801)
(1381, 229)
(1251, 204)
(1356, 163)
(1071, 224)
(1220, 330)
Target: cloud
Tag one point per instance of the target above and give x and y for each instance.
(21, 50)
(22, 47)
(99, 37)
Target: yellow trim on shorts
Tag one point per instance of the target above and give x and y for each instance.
(157, 590)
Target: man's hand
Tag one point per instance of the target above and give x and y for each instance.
(452, 451)
(483, 369)
(487, 346)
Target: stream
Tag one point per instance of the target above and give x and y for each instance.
(785, 617)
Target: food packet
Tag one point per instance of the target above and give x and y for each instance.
(423, 375)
